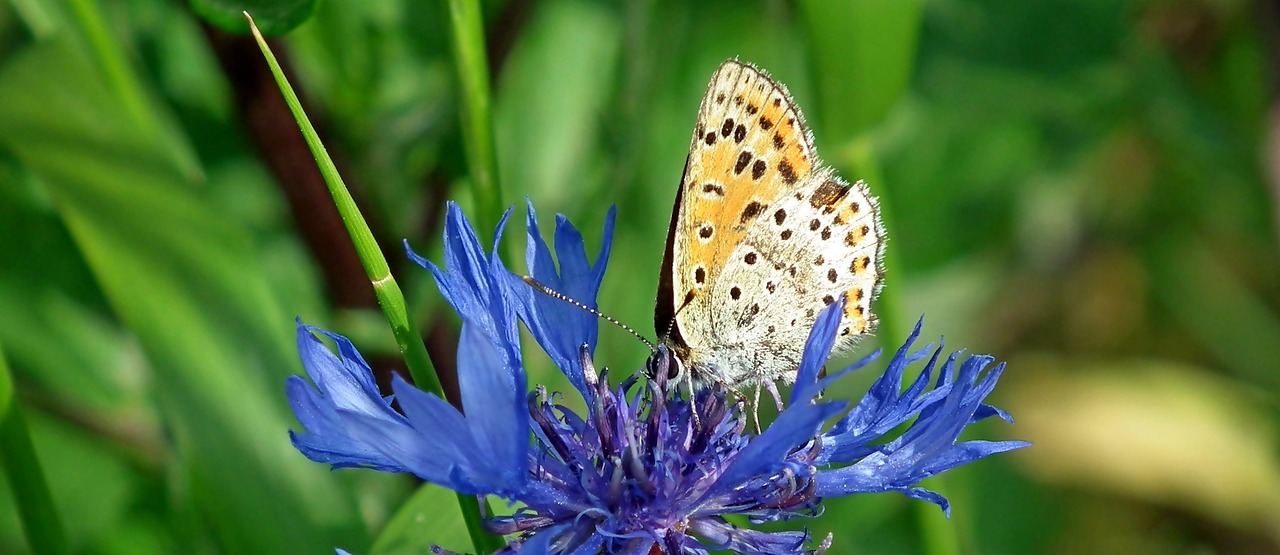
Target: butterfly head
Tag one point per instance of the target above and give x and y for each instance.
(664, 366)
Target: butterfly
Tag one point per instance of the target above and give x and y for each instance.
(762, 238)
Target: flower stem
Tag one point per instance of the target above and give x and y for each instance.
(471, 63)
(36, 512)
(385, 287)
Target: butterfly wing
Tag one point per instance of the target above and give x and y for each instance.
(819, 242)
(749, 156)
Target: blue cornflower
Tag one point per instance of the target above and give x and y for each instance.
(638, 472)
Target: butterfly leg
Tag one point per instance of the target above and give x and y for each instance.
(693, 400)
(755, 408)
(773, 390)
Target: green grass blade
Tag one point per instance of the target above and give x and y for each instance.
(476, 115)
(387, 290)
(385, 287)
(36, 512)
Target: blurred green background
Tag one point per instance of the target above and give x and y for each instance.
(1087, 189)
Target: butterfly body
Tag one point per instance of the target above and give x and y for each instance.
(762, 238)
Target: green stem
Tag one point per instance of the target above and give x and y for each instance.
(36, 512)
(471, 62)
(385, 287)
(384, 284)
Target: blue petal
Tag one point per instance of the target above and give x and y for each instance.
(485, 452)
(883, 408)
(343, 386)
(817, 349)
(796, 426)
(560, 328)
(474, 283)
(493, 395)
(348, 423)
(725, 536)
(929, 444)
(930, 496)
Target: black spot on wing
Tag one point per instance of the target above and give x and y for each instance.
(743, 160)
(749, 213)
(788, 172)
(827, 194)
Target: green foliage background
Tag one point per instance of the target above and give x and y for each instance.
(1085, 188)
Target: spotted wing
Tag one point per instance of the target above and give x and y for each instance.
(804, 251)
(750, 148)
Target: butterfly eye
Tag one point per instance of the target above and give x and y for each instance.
(665, 365)
(652, 365)
(675, 370)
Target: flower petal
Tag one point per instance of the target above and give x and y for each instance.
(343, 386)
(928, 446)
(560, 328)
(494, 397)
(817, 349)
(726, 536)
(883, 408)
(473, 282)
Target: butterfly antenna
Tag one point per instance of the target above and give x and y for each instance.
(672, 324)
(539, 287)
